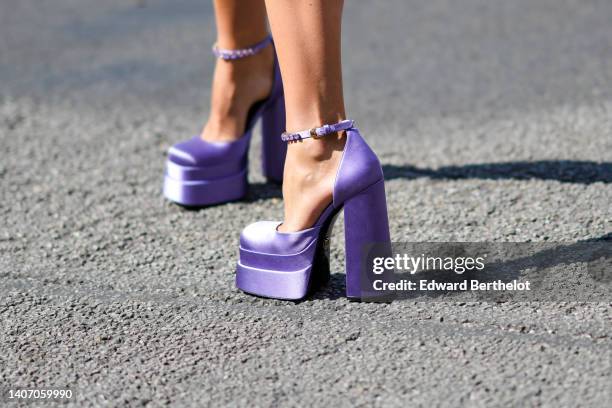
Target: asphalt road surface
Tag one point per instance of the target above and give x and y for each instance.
(492, 120)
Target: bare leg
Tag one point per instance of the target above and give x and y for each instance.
(307, 37)
(239, 83)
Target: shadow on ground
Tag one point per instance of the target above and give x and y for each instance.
(596, 253)
(565, 171)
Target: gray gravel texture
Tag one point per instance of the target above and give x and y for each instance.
(492, 120)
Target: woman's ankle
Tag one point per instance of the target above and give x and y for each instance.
(237, 85)
(312, 116)
(313, 151)
(310, 171)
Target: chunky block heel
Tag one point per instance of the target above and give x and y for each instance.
(366, 232)
(292, 265)
(273, 150)
(201, 173)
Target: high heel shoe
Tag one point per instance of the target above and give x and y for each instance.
(291, 265)
(200, 173)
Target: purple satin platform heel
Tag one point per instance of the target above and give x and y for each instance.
(200, 173)
(291, 265)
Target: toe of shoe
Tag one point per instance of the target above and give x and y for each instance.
(264, 237)
(199, 153)
(260, 237)
(181, 155)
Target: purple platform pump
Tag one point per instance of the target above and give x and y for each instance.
(200, 173)
(291, 265)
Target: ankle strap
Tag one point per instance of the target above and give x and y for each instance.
(318, 132)
(227, 55)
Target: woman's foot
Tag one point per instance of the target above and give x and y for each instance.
(237, 85)
(308, 182)
(290, 266)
